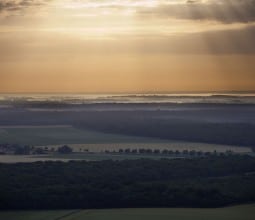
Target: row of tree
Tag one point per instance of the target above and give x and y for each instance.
(168, 152)
(28, 149)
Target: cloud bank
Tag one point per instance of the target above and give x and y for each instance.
(226, 11)
(11, 6)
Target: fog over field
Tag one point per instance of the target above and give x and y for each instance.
(176, 120)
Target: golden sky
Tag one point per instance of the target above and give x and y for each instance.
(99, 46)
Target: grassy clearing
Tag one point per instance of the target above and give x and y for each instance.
(99, 156)
(245, 212)
(81, 156)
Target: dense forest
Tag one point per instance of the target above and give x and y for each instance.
(212, 181)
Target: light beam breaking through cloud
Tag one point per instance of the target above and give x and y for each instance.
(65, 37)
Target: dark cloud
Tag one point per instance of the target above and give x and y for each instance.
(16, 5)
(226, 11)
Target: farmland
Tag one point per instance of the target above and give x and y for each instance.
(244, 212)
(95, 141)
(50, 135)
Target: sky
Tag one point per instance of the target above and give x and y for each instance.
(125, 46)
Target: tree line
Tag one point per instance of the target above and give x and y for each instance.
(19, 149)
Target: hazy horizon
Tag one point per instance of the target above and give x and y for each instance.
(223, 92)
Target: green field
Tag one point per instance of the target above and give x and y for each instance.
(63, 135)
(245, 212)
(76, 156)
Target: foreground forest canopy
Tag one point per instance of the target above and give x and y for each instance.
(205, 182)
